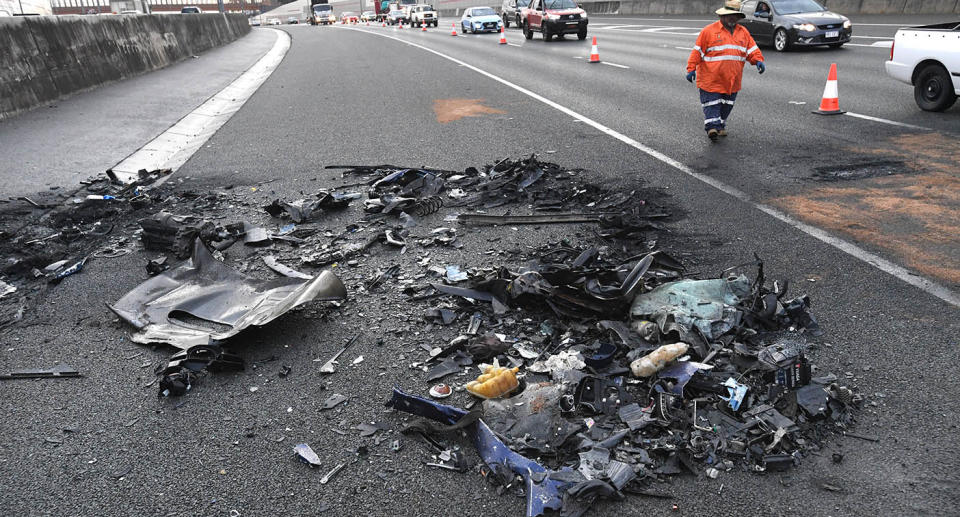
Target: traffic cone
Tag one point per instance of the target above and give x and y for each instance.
(423, 27)
(830, 103)
(454, 33)
(383, 24)
(594, 53)
(503, 37)
(400, 24)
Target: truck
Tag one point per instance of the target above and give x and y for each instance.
(928, 57)
(383, 8)
(319, 12)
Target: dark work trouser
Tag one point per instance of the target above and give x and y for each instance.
(716, 109)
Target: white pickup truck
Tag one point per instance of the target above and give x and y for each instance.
(928, 57)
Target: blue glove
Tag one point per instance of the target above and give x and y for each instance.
(692, 75)
(761, 67)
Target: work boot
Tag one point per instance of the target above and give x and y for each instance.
(713, 134)
(722, 132)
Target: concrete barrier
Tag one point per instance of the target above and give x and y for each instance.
(454, 8)
(48, 57)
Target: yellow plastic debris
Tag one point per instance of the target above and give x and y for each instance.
(495, 381)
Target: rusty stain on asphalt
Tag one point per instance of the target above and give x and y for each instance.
(448, 110)
(914, 216)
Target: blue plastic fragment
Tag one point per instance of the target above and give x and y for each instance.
(543, 488)
(306, 454)
(737, 392)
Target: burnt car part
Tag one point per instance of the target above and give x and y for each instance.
(204, 301)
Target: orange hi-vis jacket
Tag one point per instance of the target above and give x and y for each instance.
(719, 55)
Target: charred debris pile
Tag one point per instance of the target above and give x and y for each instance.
(586, 368)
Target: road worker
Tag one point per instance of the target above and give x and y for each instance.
(716, 63)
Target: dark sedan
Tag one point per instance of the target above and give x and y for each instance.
(788, 23)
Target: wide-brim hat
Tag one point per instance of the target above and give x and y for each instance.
(731, 7)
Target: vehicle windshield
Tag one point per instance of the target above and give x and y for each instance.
(319, 8)
(428, 8)
(483, 11)
(523, 3)
(797, 6)
(559, 4)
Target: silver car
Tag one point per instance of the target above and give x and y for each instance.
(510, 12)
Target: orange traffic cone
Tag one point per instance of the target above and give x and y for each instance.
(383, 24)
(454, 33)
(423, 27)
(594, 53)
(830, 103)
(503, 37)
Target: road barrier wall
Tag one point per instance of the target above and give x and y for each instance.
(47, 57)
(632, 7)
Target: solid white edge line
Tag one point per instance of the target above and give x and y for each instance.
(885, 121)
(851, 249)
(172, 148)
(614, 64)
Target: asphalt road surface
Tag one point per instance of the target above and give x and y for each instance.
(105, 444)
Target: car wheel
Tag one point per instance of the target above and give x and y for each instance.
(527, 32)
(781, 41)
(547, 35)
(933, 89)
(582, 34)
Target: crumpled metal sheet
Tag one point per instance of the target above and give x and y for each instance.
(709, 305)
(206, 289)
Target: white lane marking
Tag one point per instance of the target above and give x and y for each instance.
(872, 37)
(684, 48)
(514, 44)
(885, 121)
(900, 272)
(663, 29)
(180, 141)
(882, 44)
(614, 64)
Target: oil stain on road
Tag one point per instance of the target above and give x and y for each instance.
(448, 110)
(914, 214)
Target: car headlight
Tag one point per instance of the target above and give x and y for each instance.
(552, 17)
(806, 27)
(847, 24)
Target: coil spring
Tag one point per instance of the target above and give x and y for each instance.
(427, 206)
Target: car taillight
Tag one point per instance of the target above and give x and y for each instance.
(892, 43)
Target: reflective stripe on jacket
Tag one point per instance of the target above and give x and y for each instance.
(718, 57)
